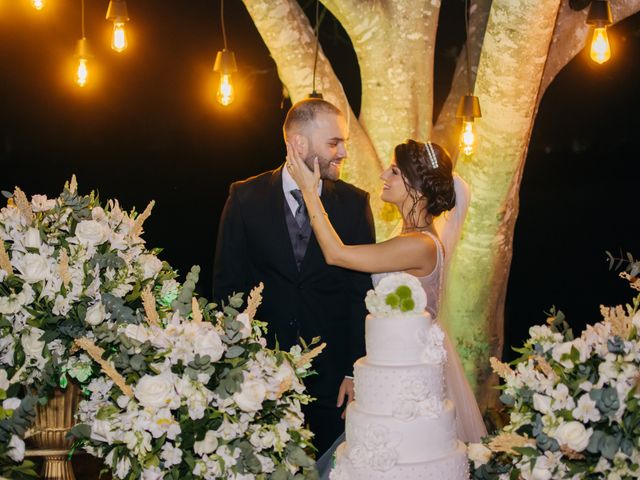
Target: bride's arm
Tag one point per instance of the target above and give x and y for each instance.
(406, 252)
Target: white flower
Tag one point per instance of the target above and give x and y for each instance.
(562, 349)
(33, 267)
(137, 332)
(101, 431)
(562, 398)
(389, 284)
(16, 449)
(208, 342)
(171, 455)
(15, 301)
(207, 445)
(150, 265)
(478, 454)
(244, 319)
(32, 238)
(11, 403)
(156, 391)
(376, 437)
(405, 410)
(95, 314)
(266, 463)
(123, 467)
(251, 395)
(39, 203)
(542, 469)
(573, 435)
(90, 232)
(542, 403)
(359, 456)
(152, 473)
(586, 411)
(4, 380)
(384, 459)
(31, 343)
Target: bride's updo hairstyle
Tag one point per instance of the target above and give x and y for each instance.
(427, 170)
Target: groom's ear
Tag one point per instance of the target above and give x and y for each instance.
(301, 144)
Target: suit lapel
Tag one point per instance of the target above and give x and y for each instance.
(280, 236)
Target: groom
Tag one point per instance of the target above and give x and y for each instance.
(265, 236)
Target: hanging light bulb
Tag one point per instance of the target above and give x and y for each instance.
(225, 65)
(83, 55)
(600, 17)
(37, 4)
(468, 110)
(118, 14)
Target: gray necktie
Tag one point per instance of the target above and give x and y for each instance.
(301, 215)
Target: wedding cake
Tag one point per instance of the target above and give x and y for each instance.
(400, 426)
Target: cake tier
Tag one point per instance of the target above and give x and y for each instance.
(451, 466)
(421, 439)
(403, 340)
(387, 390)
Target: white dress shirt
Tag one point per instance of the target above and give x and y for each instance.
(288, 184)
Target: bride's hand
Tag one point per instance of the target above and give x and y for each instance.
(306, 179)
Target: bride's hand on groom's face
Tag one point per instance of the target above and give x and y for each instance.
(306, 179)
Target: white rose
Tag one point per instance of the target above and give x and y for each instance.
(384, 460)
(359, 456)
(152, 473)
(573, 435)
(33, 268)
(95, 314)
(32, 238)
(137, 332)
(4, 380)
(376, 437)
(478, 454)
(90, 232)
(209, 343)
(155, 391)
(16, 449)
(31, 343)
(150, 265)
(11, 403)
(406, 410)
(542, 403)
(251, 395)
(207, 445)
(245, 331)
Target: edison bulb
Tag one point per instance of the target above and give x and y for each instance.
(226, 92)
(37, 4)
(82, 72)
(119, 38)
(600, 47)
(468, 137)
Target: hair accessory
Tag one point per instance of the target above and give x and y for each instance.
(433, 160)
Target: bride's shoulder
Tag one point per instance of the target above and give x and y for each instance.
(416, 240)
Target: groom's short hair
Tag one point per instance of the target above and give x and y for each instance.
(304, 112)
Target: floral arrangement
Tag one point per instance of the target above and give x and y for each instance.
(172, 387)
(396, 293)
(573, 402)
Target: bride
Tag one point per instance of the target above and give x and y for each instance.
(420, 183)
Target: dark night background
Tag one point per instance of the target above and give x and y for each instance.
(147, 127)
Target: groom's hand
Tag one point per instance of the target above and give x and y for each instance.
(346, 390)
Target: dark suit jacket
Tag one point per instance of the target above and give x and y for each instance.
(319, 300)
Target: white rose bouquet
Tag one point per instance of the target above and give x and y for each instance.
(199, 397)
(573, 402)
(69, 268)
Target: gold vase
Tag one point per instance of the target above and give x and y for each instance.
(53, 422)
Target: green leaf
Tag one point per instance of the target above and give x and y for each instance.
(107, 411)
(235, 351)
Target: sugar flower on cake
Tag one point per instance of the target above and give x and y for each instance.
(374, 446)
(432, 341)
(397, 293)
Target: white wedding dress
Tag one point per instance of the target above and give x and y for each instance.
(469, 424)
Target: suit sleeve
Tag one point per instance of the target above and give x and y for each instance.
(360, 283)
(230, 264)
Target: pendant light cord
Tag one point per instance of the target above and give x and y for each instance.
(317, 29)
(82, 17)
(466, 29)
(224, 32)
